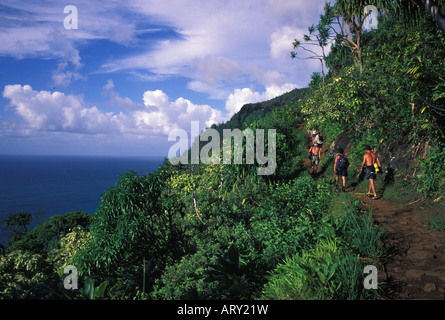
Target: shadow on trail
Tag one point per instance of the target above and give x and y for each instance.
(321, 172)
(358, 179)
(387, 177)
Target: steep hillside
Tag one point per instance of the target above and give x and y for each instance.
(222, 230)
(253, 111)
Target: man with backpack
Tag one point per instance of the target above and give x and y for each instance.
(341, 165)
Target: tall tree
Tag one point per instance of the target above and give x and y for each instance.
(320, 35)
(16, 220)
(353, 15)
(317, 37)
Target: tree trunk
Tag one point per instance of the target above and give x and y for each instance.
(359, 53)
(322, 69)
(359, 38)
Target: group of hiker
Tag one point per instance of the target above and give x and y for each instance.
(370, 161)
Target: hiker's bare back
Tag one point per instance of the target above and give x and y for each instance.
(370, 158)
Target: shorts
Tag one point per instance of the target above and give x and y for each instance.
(314, 160)
(342, 172)
(314, 135)
(370, 173)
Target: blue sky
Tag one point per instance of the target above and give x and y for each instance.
(135, 70)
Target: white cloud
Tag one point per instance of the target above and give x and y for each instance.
(35, 29)
(46, 111)
(213, 91)
(165, 115)
(224, 44)
(213, 70)
(156, 99)
(281, 41)
(221, 48)
(244, 96)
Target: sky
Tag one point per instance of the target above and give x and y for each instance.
(114, 78)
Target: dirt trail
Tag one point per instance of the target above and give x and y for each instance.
(414, 266)
(415, 262)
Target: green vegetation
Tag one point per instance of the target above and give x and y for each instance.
(222, 231)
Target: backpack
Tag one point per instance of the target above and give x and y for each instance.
(320, 138)
(342, 162)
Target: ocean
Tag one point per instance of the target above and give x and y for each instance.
(56, 185)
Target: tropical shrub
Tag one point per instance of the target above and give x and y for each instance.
(432, 176)
(25, 275)
(134, 221)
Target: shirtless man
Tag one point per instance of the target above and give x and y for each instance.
(370, 159)
(315, 154)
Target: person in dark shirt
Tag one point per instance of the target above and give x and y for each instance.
(341, 169)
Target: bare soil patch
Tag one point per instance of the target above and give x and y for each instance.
(414, 267)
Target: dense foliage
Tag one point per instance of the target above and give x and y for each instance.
(217, 234)
(221, 231)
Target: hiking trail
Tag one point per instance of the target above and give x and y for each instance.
(414, 266)
(414, 263)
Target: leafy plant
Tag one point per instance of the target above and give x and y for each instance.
(94, 293)
(432, 174)
(228, 272)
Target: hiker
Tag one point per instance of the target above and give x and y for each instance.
(315, 155)
(371, 160)
(314, 134)
(319, 139)
(341, 165)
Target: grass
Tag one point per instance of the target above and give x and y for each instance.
(436, 222)
(404, 191)
(401, 189)
(433, 215)
(334, 268)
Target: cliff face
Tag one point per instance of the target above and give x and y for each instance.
(341, 141)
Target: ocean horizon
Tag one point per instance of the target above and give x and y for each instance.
(52, 185)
